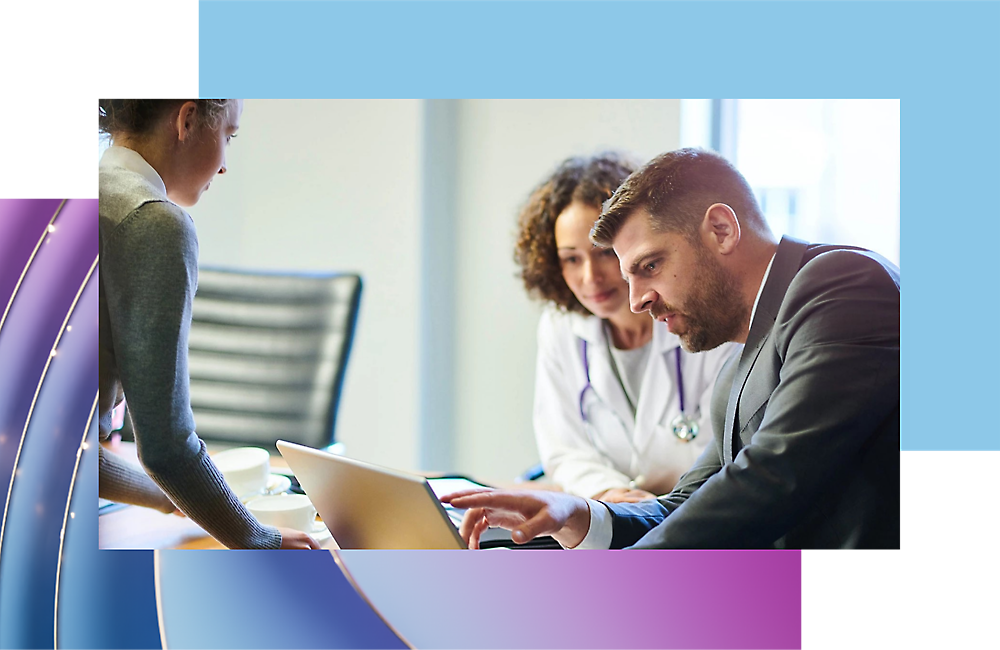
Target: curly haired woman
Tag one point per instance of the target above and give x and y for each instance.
(620, 410)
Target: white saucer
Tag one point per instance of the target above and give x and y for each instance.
(276, 484)
(320, 532)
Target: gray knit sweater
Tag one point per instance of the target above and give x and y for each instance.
(149, 273)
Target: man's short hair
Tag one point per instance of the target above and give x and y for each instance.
(676, 189)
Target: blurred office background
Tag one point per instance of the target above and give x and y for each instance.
(420, 197)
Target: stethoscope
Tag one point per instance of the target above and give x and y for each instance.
(684, 427)
(634, 458)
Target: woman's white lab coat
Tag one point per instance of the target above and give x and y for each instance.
(586, 458)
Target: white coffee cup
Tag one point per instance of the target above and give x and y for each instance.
(246, 469)
(285, 511)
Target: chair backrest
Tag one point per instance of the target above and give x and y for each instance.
(268, 352)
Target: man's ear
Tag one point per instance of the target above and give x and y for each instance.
(720, 229)
(187, 119)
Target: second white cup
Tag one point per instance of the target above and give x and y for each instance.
(246, 470)
(285, 511)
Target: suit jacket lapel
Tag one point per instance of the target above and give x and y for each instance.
(787, 262)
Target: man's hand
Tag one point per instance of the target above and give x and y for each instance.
(527, 514)
(291, 538)
(623, 495)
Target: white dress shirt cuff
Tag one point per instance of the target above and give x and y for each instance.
(599, 534)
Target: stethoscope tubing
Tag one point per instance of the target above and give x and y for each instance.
(634, 456)
(586, 370)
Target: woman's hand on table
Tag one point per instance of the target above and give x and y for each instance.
(296, 539)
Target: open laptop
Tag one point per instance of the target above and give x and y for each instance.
(370, 507)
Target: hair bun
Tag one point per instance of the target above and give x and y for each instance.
(138, 116)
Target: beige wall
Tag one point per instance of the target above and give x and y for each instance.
(339, 185)
(505, 147)
(334, 185)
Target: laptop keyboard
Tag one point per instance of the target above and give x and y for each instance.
(498, 537)
(492, 538)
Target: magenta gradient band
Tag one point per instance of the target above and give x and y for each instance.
(58, 589)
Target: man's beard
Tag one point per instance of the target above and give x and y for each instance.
(713, 312)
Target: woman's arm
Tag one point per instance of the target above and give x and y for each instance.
(123, 482)
(149, 270)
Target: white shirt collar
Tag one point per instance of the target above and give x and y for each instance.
(760, 290)
(119, 156)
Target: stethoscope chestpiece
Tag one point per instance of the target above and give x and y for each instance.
(685, 428)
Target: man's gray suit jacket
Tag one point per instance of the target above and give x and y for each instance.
(806, 451)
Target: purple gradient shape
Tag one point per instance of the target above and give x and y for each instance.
(41, 486)
(36, 315)
(264, 599)
(638, 599)
(107, 599)
(22, 222)
(92, 584)
(586, 599)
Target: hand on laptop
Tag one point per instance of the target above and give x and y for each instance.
(291, 538)
(527, 514)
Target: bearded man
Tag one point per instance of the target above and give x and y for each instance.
(805, 417)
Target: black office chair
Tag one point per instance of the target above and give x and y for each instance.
(268, 353)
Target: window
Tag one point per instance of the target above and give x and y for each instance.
(823, 170)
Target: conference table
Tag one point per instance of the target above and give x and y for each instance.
(134, 527)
